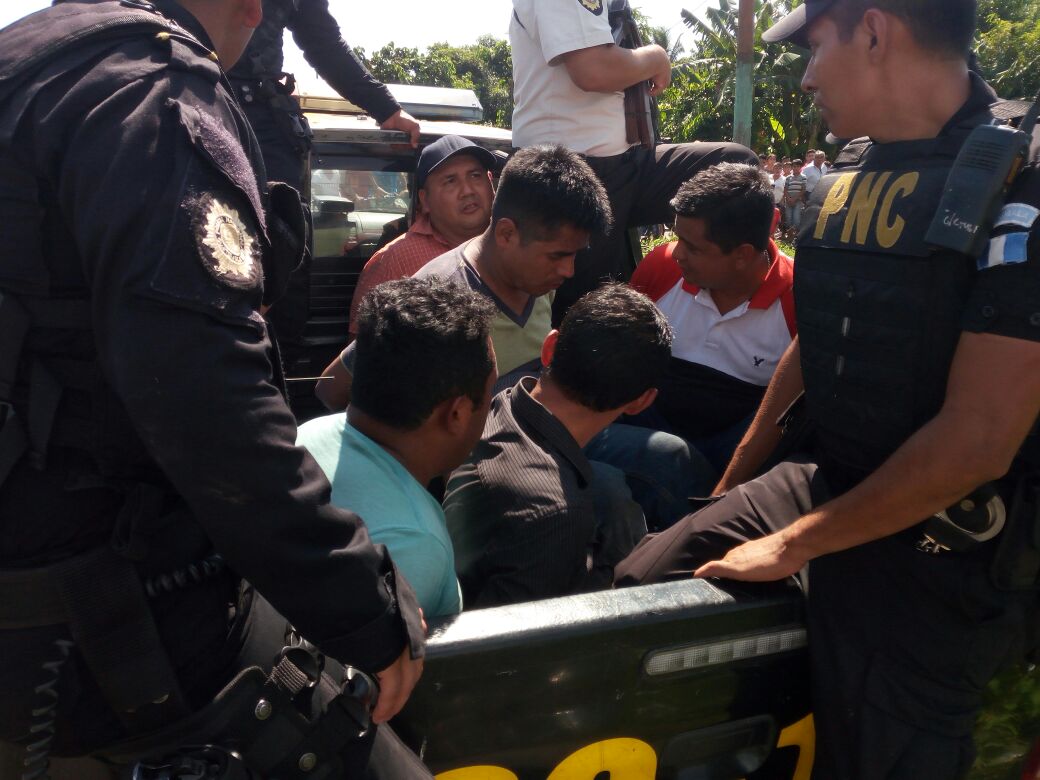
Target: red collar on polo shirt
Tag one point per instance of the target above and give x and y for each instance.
(658, 273)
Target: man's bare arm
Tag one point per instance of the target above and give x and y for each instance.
(610, 68)
(764, 434)
(334, 392)
(992, 402)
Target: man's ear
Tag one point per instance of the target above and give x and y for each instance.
(251, 12)
(423, 208)
(745, 255)
(506, 232)
(453, 414)
(877, 28)
(549, 347)
(641, 403)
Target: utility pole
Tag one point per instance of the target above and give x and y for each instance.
(745, 71)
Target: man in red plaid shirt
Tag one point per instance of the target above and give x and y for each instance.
(454, 185)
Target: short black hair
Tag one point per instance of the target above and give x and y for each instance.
(614, 345)
(946, 27)
(420, 342)
(545, 187)
(734, 200)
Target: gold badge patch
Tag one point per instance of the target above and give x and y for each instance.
(593, 6)
(228, 248)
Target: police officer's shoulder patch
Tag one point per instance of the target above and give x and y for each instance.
(227, 245)
(595, 7)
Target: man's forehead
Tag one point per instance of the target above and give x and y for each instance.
(690, 229)
(460, 161)
(560, 238)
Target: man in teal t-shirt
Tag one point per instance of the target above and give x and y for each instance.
(424, 370)
(398, 511)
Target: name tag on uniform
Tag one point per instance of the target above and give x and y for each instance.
(1018, 214)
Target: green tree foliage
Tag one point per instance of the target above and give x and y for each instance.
(1009, 46)
(699, 104)
(486, 67)
(1009, 725)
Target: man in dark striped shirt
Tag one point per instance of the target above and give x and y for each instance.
(529, 515)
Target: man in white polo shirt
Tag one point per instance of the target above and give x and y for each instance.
(726, 290)
(568, 83)
(815, 169)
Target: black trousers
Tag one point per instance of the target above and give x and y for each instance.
(902, 643)
(640, 184)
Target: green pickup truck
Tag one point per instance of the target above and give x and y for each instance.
(681, 681)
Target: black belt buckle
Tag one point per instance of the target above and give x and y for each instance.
(310, 663)
(962, 527)
(927, 544)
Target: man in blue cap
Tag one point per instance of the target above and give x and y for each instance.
(910, 509)
(454, 194)
(453, 183)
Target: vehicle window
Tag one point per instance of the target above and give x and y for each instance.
(352, 203)
(379, 191)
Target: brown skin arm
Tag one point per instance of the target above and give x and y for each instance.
(610, 68)
(397, 681)
(334, 392)
(992, 402)
(763, 435)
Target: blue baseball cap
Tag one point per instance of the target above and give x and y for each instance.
(795, 26)
(446, 147)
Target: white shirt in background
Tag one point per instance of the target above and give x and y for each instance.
(548, 106)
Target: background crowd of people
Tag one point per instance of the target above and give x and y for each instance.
(793, 183)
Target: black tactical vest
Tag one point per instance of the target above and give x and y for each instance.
(262, 58)
(63, 431)
(879, 311)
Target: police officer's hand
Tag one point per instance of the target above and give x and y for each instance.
(760, 560)
(395, 685)
(404, 122)
(396, 682)
(662, 68)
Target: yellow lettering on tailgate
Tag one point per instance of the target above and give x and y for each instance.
(862, 209)
(630, 759)
(801, 735)
(834, 202)
(888, 232)
(477, 773)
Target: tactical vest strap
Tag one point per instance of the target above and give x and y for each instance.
(14, 325)
(1010, 110)
(13, 441)
(41, 426)
(99, 596)
(853, 152)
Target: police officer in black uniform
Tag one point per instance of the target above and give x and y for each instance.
(147, 462)
(264, 91)
(921, 375)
